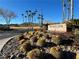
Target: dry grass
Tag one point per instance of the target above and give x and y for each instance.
(17, 28)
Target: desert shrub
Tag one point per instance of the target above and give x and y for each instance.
(40, 35)
(66, 42)
(30, 32)
(20, 37)
(77, 55)
(76, 33)
(67, 55)
(33, 40)
(34, 54)
(47, 56)
(48, 36)
(56, 39)
(25, 47)
(36, 32)
(25, 33)
(41, 42)
(54, 52)
(22, 41)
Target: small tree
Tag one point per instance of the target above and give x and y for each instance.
(7, 15)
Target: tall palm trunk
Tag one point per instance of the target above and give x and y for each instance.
(72, 9)
(69, 12)
(63, 5)
(32, 23)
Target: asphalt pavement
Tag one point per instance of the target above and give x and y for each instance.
(7, 34)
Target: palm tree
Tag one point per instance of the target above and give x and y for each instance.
(68, 13)
(64, 5)
(33, 14)
(72, 9)
(40, 17)
(26, 18)
(23, 17)
(27, 13)
(30, 15)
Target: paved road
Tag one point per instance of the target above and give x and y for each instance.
(5, 36)
(8, 34)
(3, 42)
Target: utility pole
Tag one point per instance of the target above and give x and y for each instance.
(64, 5)
(69, 9)
(72, 9)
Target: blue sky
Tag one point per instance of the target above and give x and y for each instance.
(52, 9)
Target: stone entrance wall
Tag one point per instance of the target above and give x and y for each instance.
(57, 27)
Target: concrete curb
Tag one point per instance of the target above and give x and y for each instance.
(3, 42)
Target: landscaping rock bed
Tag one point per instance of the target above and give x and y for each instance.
(39, 45)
